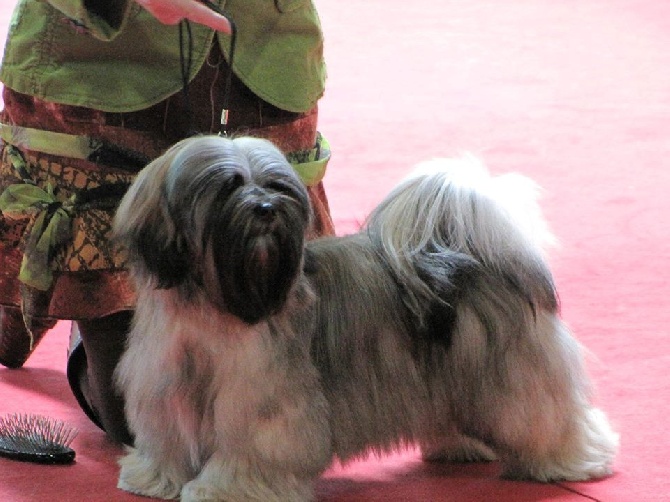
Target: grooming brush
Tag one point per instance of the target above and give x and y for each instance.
(35, 438)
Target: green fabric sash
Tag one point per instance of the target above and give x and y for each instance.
(51, 228)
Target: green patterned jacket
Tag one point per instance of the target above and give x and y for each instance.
(112, 55)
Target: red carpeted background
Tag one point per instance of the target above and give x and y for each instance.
(574, 93)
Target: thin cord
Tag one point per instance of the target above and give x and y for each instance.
(572, 490)
(186, 66)
(212, 87)
(186, 63)
(227, 90)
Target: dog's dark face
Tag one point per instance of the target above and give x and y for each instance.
(231, 221)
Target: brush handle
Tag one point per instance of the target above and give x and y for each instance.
(64, 455)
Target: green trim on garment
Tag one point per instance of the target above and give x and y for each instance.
(49, 142)
(310, 165)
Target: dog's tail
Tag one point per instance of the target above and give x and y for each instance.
(452, 206)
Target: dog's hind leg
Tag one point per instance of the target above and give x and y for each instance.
(583, 451)
(567, 438)
(533, 408)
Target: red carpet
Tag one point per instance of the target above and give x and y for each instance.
(575, 94)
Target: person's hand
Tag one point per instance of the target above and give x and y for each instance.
(173, 11)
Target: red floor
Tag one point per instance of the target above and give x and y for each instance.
(575, 94)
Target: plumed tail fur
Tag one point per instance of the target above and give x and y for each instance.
(452, 206)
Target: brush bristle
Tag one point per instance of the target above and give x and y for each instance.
(36, 438)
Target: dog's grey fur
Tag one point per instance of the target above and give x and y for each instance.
(256, 358)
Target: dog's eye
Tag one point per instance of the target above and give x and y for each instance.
(236, 181)
(230, 184)
(277, 186)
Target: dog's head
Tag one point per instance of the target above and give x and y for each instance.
(227, 217)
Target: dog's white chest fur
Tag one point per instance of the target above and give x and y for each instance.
(214, 384)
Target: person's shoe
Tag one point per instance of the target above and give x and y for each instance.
(16, 344)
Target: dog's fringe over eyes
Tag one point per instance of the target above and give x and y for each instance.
(256, 357)
(226, 211)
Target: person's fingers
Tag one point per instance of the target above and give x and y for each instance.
(200, 13)
(168, 18)
(173, 11)
(165, 12)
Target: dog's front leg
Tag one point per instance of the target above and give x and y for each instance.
(214, 482)
(236, 480)
(272, 432)
(140, 474)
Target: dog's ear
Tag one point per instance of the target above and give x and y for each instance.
(163, 252)
(144, 227)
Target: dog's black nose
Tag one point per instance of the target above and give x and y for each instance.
(265, 209)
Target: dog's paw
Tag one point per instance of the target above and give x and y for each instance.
(457, 449)
(141, 476)
(587, 452)
(195, 491)
(237, 482)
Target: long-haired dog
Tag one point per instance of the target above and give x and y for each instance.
(256, 358)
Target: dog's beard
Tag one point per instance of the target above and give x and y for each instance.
(255, 253)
